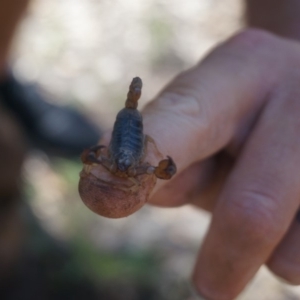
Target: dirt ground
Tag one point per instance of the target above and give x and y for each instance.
(84, 53)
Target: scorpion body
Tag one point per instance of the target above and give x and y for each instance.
(127, 147)
(127, 143)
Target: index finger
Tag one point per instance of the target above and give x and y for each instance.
(206, 107)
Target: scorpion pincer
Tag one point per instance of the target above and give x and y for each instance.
(127, 148)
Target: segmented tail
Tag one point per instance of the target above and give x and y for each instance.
(134, 93)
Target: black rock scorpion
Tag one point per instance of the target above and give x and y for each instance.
(127, 148)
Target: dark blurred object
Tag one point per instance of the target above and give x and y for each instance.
(12, 152)
(57, 130)
(277, 16)
(44, 268)
(48, 269)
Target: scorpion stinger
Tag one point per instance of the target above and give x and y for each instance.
(134, 93)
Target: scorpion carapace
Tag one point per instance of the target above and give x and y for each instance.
(127, 148)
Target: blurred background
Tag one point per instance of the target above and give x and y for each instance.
(84, 53)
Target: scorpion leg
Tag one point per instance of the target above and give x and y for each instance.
(149, 139)
(93, 156)
(165, 169)
(90, 156)
(134, 181)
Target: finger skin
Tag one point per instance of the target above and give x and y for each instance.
(213, 107)
(285, 261)
(214, 104)
(259, 201)
(280, 17)
(199, 184)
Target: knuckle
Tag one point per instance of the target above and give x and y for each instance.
(182, 100)
(253, 38)
(266, 47)
(255, 51)
(253, 214)
(258, 47)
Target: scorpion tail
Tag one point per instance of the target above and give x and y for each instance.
(134, 93)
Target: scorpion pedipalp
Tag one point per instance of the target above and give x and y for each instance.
(91, 155)
(165, 169)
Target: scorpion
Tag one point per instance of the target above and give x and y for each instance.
(127, 148)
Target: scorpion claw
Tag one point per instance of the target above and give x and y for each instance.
(165, 169)
(97, 148)
(90, 156)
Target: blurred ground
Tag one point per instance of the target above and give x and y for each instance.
(84, 53)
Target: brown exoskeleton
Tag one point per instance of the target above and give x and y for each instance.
(127, 148)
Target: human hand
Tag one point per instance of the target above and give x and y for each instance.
(232, 125)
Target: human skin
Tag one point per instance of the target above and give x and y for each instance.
(10, 13)
(249, 180)
(231, 124)
(277, 16)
